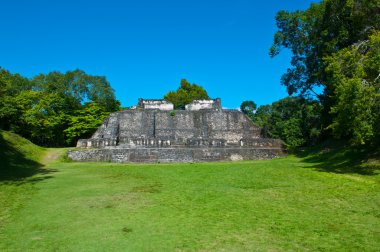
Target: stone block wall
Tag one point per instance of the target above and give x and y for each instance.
(159, 104)
(230, 125)
(153, 135)
(166, 155)
(204, 104)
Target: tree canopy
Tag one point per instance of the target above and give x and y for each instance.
(248, 108)
(295, 120)
(78, 87)
(335, 58)
(55, 109)
(185, 94)
(319, 31)
(355, 74)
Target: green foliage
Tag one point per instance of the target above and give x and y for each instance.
(5, 80)
(294, 120)
(41, 117)
(328, 42)
(47, 108)
(248, 108)
(355, 76)
(321, 30)
(8, 111)
(85, 121)
(10, 85)
(78, 87)
(185, 94)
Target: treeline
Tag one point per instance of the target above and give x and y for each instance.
(55, 109)
(335, 73)
(295, 120)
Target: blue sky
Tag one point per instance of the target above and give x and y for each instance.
(145, 47)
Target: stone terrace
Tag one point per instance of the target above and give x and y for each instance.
(201, 133)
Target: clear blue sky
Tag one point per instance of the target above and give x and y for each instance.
(144, 47)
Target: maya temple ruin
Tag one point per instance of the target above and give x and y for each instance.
(154, 132)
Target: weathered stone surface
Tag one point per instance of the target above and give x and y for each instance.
(177, 154)
(179, 126)
(153, 135)
(204, 104)
(155, 104)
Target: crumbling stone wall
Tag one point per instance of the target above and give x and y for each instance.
(179, 126)
(155, 104)
(178, 154)
(204, 104)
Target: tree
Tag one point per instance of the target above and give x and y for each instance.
(248, 108)
(292, 119)
(54, 109)
(77, 87)
(85, 122)
(320, 39)
(262, 119)
(185, 94)
(355, 74)
(10, 86)
(317, 32)
(87, 100)
(40, 117)
(4, 86)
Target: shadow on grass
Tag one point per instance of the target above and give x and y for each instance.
(337, 157)
(16, 167)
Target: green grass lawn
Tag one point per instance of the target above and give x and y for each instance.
(295, 203)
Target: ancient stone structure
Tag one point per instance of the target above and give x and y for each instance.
(155, 104)
(154, 133)
(204, 104)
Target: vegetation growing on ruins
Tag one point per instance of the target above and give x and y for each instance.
(323, 199)
(248, 108)
(185, 94)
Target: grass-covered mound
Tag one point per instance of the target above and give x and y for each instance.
(339, 157)
(293, 203)
(19, 157)
(20, 169)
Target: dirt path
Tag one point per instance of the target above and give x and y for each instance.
(52, 154)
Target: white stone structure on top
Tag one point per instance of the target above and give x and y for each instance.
(204, 104)
(159, 104)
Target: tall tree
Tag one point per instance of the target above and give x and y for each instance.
(84, 122)
(317, 35)
(355, 74)
(57, 108)
(319, 31)
(78, 87)
(10, 86)
(41, 117)
(185, 94)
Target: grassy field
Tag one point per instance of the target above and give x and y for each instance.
(325, 200)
